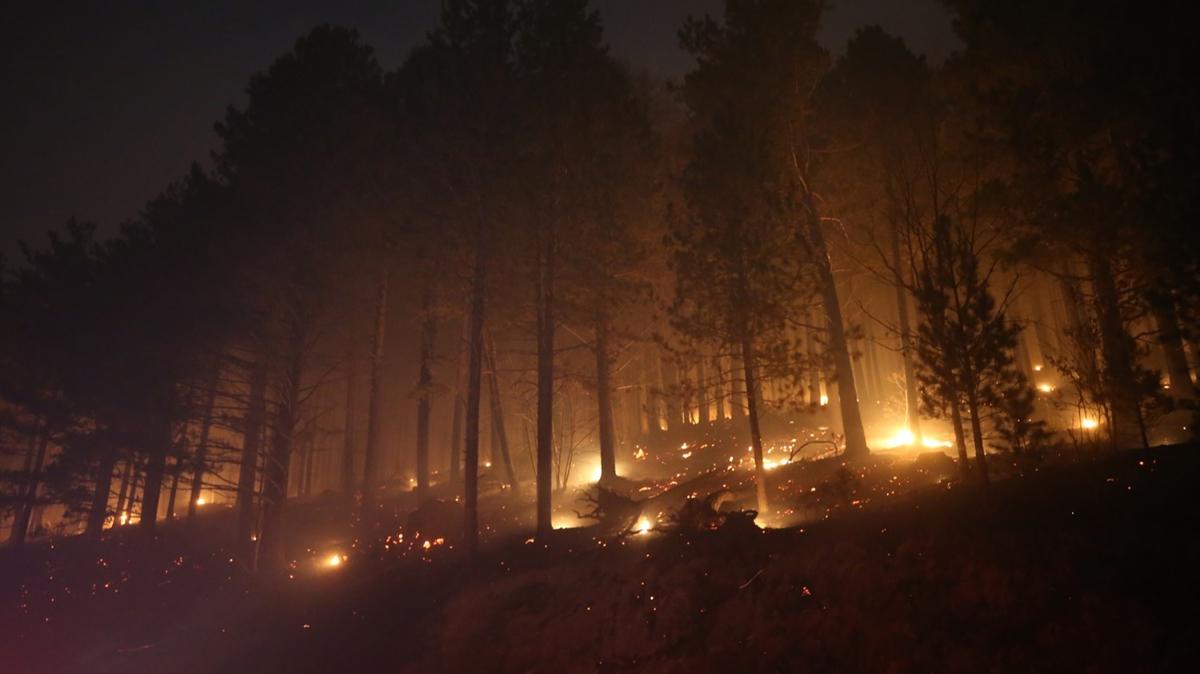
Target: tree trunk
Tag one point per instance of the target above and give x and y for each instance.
(670, 379)
(156, 469)
(374, 402)
(1119, 359)
(1170, 339)
(960, 441)
(474, 381)
(608, 456)
(348, 435)
(252, 433)
(176, 473)
(201, 463)
(123, 491)
(498, 417)
(977, 438)
(912, 407)
(131, 501)
(308, 447)
(424, 390)
(545, 385)
(852, 425)
(98, 513)
(719, 386)
(752, 399)
(35, 460)
(278, 463)
(737, 400)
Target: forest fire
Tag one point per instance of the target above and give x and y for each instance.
(581, 336)
(904, 437)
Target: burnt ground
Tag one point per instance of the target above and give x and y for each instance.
(1078, 564)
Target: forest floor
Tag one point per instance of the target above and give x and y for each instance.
(1081, 563)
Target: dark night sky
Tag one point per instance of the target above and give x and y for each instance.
(106, 102)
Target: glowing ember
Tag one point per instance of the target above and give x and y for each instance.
(639, 454)
(335, 560)
(644, 525)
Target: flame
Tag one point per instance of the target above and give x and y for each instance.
(1037, 368)
(824, 400)
(768, 464)
(644, 525)
(334, 560)
(1089, 423)
(201, 501)
(1045, 388)
(904, 437)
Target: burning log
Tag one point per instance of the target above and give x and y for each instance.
(614, 512)
(705, 515)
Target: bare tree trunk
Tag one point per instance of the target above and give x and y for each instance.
(278, 463)
(131, 501)
(760, 471)
(1170, 339)
(156, 468)
(123, 492)
(98, 513)
(459, 402)
(545, 385)
(201, 463)
(852, 425)
(977, 438)
(252, 433)
(912, 407)
(176, 473)
(670, 378)
(1119, 359)
(424, 390)
(737, 400)
(348, 434)
(498, 429)
(306, 474)
(374, 402)
(608, 456)
(719, 386)
(35, 460)
(960, 440)
(474, 382)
